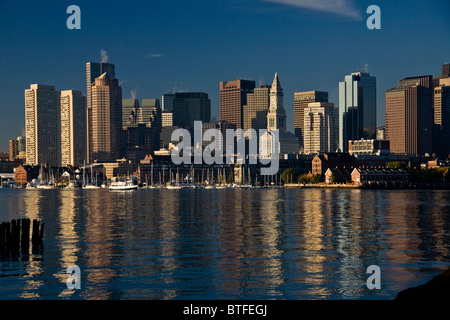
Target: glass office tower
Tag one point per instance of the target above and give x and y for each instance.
(357, 108)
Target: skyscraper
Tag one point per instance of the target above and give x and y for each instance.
(301, 101)
(130, 109)
(106, 125)
(276, 122)
(42, 118)
(167, 101)
(409, 116)
(73, 128)
(233, 98)
(357, 108)
(13, 149)
(441, 129)
(93, 71)
(276, 117)
(255, 111)
(189, 107)
(319, 127)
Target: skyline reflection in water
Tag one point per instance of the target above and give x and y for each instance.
(227, 244)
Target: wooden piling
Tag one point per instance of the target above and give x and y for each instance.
(25, 236)
(2, 237)
(15, 236)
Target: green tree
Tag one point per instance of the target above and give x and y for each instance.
(288, 175)
(317, 178)
(396, 164)
(230, 178)
(304, 178)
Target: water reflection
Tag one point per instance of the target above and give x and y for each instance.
(235, 244)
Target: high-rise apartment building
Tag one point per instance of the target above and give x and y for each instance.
(301, 101)
(73, 128)
(255, 111)
(189, 107)
(233, 98)
(106, 125)
(409, 116)
(319, 127)
(42, 119)
(93, 71)
(357, 108)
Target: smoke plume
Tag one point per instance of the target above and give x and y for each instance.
(104, 55)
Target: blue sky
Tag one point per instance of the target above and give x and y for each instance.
(193, 45)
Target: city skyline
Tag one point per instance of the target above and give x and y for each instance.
(281, 38)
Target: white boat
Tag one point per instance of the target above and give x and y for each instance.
(90, 186)
(123, 184)
(173, 187)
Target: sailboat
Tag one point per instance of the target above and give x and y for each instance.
(91, 185)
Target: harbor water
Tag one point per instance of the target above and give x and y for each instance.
(227, 244)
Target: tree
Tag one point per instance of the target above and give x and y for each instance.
(396, 164)
(288, 175)
(304, 178)
(317, 178)
(230, 178)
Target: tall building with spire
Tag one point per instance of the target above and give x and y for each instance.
(276, 122)
(276, 117)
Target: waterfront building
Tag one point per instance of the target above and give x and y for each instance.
(233, 98)
(338, 175)
(409, 116)
(330, 160)
(357, 108)
(42, 125)
(380, 176)
(319, 128)
(301, 101)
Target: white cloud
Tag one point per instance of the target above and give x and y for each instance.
(340, 7)
(156, 55)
